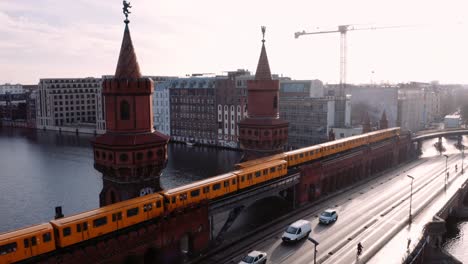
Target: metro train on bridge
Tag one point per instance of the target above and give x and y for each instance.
(35, 240)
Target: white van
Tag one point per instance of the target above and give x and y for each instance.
(297, 231)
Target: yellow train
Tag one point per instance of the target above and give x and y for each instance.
(32, 241)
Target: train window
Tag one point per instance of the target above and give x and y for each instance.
(33, 241)
(301, 155)
(265, 171)
(233, 181)
(173, 199)
(311, 152)
(66, 231)
(216, 186)
(132, 212)
(8, 248)
(100, 221)
(226, 183)
(26, 242)
(249, 176)
(115, 217)
(147, 207)
(272, 170)
(206, 189)
(242, 178)
(183, 196)
(158, 204)
(85, 224)
(78, 228)
(46, 237)
(258, 174)
(195, 193)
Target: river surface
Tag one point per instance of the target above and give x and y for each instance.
(43, 169)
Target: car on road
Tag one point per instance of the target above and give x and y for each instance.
(255, 257)
(296, 231)
(328, 216)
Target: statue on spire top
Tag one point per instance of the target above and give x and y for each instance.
(126, 6)
(263, 32)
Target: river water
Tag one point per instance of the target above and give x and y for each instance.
(43, 169)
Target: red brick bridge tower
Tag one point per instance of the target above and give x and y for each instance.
(131, 154)
(262, 132)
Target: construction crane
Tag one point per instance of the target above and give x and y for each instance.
(343, 29)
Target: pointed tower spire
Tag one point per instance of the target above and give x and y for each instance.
(127, 67)
(383, 121)
(263, 67)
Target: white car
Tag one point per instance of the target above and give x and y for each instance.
(255, 257)
(328, 216)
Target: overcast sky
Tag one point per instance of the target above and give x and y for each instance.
(80, 38)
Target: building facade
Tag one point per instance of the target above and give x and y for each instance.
(161, 106)
(192, 110)
(11, 88)
(69, 103)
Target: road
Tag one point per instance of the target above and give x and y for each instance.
(368, 214)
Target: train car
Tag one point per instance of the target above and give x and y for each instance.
(257, 174)
(80, 227)
(195, 192)
(26, 243)
(298, 156)
(243, 165)
(383, 134)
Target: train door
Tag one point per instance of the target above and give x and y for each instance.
(227, 187)
(82, 229)
(30, 246)
(117, 220)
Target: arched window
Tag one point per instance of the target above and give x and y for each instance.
(124, 110)
(275, 102)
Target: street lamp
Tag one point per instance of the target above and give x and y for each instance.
(446, 172)
(315, 248)
(411, 199)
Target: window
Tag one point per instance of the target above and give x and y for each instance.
(195, 193)
(132, 212)
(258, 174)
(216, 186)
(139, 156)
(233, 181)
(33, 241)
(124, 110)
(147, 207)
(45, 237)
(78, 228)
(100, 221)
(173, 200)
(123, 157)
(8, 248)
(242, 178)
(116, 216)
(206, 189)
(158, 204)
(149, 154)
(226, 183)
(26, 242)
(66, 231)
(272, 170)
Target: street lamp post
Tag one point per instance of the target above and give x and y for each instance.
(411, 199)
(446, 172)
(315, 248)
